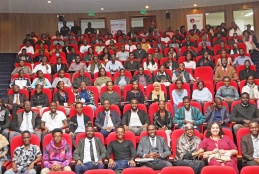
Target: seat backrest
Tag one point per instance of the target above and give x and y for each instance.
(87, 111)
(181, 59)
(139, 170)
(47, 76)
(46, 91)
(153, 108)
(193, 104)
(86, 74)
(252, 102)
(69, 90)
(240, 133)
(217, 170)
(176, 134)
(207, 84)
(128, 136)
(173, 86)
(167, 71)
(204, 73)
(147, 72)
(117, 74)
(128, 88)
(242, 67)
(226, 131)
(100, 108)
(94, 90)
(249, 169)
(108, 74)
(67, 75)
(243, 83)
(115, 88)
(100, 171)
(58, 109)
(159, 133)
(17, 141)
(221, 83)
(47, 138)
(127, 107)
(177, 169)
(26, 76)
(150, 88)
(22, 91)
(62, 172)
(82, 135)
(207, 104)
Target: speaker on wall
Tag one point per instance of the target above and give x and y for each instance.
(167, 15)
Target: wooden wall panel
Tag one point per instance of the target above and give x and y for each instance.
(14, 27)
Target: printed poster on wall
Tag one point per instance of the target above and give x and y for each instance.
(194, 19)
(119, 24)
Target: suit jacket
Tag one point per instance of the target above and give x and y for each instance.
(209, 116)
(231, 73)
(18, 118)
(73, 123)
(144, 147)
(140, 55)
(10, 98)
(244, 74)
(143, 117)
(77, 81)
(99, 121)
(79, 151)
(54, 69)
(247, 148)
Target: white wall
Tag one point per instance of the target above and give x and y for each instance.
(137, 22)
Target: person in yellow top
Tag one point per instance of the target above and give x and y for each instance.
(144, 45)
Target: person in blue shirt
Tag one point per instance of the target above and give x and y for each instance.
(86, 97)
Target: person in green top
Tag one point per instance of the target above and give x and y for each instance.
(90, 54)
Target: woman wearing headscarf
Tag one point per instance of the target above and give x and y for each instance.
(157, 94)
(186, 147)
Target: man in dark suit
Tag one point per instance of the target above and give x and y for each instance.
(89, 160)
(71, 56)
(78, 122)
(140, 53)
(249, 146)
(135, 120)
(77, 81)
(247, 71)
(216, 112)
(59, 66)
(15, 101)
(131, 33)
(107, 120)
(153, 146)
(26, 121)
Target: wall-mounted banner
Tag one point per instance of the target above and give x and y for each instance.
(194, 19)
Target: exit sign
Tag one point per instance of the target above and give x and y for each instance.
(144, 11)
(91, 13)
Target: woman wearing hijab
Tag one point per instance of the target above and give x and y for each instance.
(186, 147)
(157, 94)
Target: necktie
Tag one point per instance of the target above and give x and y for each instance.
(106, 120)
(27, 121)
(82, 79)
(91, 151)
(16, 99)
(153, 142)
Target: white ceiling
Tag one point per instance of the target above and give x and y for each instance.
(84, 6)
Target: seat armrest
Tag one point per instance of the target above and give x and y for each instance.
(176, 126)
(171, 158)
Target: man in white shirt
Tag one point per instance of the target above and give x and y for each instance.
(164, 38)
(99, 48)
(107, 120)
(78, 122)
(122, 55)
(113, 65)
(22, 82)
(89, 153)
(110, 37)
(27, 120)
(145, 33)
(130, 47)
(235, 29)
(61, 77)
(53, 119)
(28, 47)
(44, 67)
(84, 47)
(135, 120)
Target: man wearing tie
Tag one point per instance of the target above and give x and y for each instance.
(107, 120)
(89, 153)
(59, 66)
(153, 146)
(26, 121)
(15, 101)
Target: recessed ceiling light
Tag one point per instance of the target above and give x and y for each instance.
(102, 8)
(49, 2)
(146, 6)
(195, 5)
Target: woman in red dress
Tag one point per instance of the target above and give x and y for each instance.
(216, 144)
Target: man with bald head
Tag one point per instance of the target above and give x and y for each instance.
(249, 145)
(216, 112)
